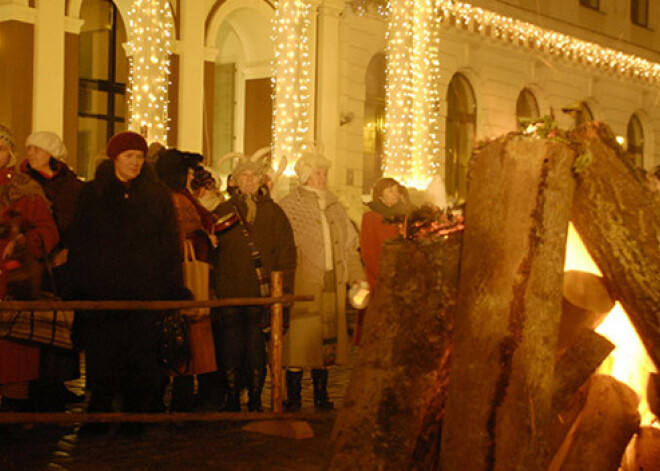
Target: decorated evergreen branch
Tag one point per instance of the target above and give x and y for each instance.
(427, 223)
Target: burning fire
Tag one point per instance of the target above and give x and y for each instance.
(628, 362)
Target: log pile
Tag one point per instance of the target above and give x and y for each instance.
(521, 394)
(392, 410)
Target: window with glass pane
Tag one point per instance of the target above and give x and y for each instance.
(526, 106)
(639, 12)
(374, 118)
(636, 140)
(460, 129)
(595, 4)
(102, 81)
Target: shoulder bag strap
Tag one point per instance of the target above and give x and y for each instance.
(262, 278)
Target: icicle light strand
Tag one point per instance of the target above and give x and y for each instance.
(411, 128)
(465, 16)
(150, 28)
(292, 69)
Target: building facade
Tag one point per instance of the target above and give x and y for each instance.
(64, 68)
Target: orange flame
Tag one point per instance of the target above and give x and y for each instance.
(628, 362)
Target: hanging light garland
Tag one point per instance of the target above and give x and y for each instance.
(150, 31)
(292, 70)
(411, 127)
(504, 28)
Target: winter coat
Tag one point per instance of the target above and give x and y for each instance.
(124, 245)
(373, 234)
(62, 190)
(124, 241)
(303, 346)
(235, 275)
(23, 205)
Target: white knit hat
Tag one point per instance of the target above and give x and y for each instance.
(48, 141)
(307, 163)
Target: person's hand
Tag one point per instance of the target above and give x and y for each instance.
(193, 313)
(60, 258)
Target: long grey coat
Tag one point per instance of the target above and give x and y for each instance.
(303, 344)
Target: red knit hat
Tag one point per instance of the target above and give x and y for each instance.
(123, 141)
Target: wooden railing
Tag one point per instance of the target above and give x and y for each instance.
(276, 301)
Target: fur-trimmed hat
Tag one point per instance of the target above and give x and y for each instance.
(7, 136)
(123, 141)
(257, 163)
(48, 141)
(309, 161)
(172, 167)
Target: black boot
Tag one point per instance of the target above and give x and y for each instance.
(183, 391)
(293, 401)
(233, 403)
(320, 380)
(255, 386)
(99, 401)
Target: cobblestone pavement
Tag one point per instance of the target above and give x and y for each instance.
(189, 446)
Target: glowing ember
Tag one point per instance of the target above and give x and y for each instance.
(628, 362)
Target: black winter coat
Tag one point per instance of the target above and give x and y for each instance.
(124, 242)
(273, 236)
(62, 190)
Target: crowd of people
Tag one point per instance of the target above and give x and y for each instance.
(135, 232)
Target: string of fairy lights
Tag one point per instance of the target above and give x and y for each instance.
(412, 143)
(412, 98)
(292, 72)
(150, 32)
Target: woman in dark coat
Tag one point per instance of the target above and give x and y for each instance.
(124, 245)
(61, 185)
(242, 343)
(175, 168)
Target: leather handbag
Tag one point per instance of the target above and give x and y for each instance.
(202, 344)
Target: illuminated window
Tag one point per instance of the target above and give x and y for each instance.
(374, 116)
(639, 12)
(636, 140)
(595, 4)
(460, 133)
(526, 106)
(102, 81)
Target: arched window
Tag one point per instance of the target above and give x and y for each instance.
(635, 137)
(460, 132)
(102, 81)
(526, 106)
(584, 114)
(372, 130)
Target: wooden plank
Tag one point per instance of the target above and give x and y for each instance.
(509, 305)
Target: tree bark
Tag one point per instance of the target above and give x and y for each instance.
(617, 215)
(603, 430)
(393, 406)
(577, 364)
(509, 305)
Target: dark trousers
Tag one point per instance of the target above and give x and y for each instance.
(242, 344)
(122, 358)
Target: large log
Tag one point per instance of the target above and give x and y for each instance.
(586, 303)
(393, 406)
(509, 305)
(602, 432)
(617, 214)
(577, 364)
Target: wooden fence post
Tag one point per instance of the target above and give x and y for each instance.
(276, 342)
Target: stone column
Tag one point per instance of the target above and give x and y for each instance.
(191, 52)
(327, 83)
(48, 73)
